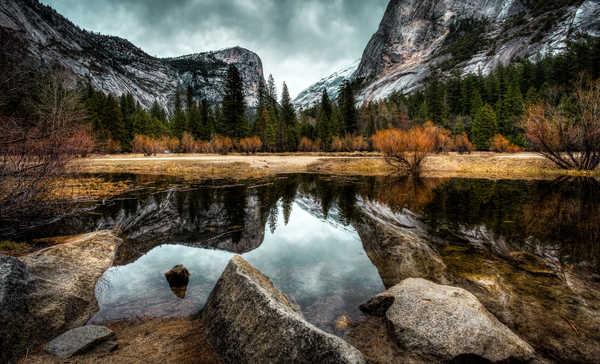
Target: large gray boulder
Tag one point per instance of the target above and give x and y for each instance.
(439, 323)
(78, 340)
(51, 291)
(249, 321)
(14, 282)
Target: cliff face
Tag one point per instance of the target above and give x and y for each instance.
(417, 37)
(115, 65)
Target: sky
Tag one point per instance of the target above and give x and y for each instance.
(299, 41)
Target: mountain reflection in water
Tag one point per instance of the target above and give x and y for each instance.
(301, 231)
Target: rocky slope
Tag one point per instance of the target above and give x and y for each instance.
(418, 37)
(115, 65)
(332, 83)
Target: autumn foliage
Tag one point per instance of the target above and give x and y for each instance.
(251, 145)
(570, 139)
(307, 145)
(462, 144)
(405, 149)
(500, 144)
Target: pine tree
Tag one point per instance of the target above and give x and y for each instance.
(128, 110)
(179, 120)
(484, 127)
(234, 105)
(476, 103)
(348, 112)
(112, 119)
(270, 140)
(156, 111)
(324, 121)
(288, 116)
(203, 132)
(271, 91)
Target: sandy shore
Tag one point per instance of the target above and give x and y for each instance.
(198, 166)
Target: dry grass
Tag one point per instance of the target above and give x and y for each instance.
(236, 166)
(86, 187)
(14, 249)
(160, 341)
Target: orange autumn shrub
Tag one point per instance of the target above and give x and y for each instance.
(250, 145)
(222, 144)
(500, 144)
(307, 145)
(336, 144)
(462, 144)
(405, 149)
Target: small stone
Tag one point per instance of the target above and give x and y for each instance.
(342, 322)
(178, 276)
(78, 341)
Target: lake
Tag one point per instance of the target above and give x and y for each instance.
(322, 240)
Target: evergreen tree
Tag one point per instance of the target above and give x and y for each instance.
(476, 103)
(324, 121)
(288, 116)
(347, 106)
(271, 91)
(484, 127)
(128, 110)
(234, 105)
(203, 131)
(156, 111)
(270, 141)
(178, 123)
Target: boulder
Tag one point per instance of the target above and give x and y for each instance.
(78, 341)
(60, 292)
(178, 276)
(440, 323)
(14, 282)
(249, 321)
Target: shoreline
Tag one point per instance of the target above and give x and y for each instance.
(482, 165)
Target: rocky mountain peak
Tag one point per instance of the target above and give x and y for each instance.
(115, 65)
(418, 37)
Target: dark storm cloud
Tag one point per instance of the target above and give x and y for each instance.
(299, 41)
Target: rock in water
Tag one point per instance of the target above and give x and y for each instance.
(435, 322)
(14, 279)
(178, 276)
(78, 340)
(249, 321)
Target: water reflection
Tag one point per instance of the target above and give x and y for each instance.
(321, 267)
(300, 231)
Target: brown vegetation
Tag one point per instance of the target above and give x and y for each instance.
(251, 145)
(570, 139)
(307, 145)
(405, 150)
(500, 144)
(462, 144)
(36, 149)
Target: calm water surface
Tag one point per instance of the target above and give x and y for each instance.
(300, 230)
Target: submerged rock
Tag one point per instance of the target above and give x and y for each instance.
(249, 321)
(178, 276)
(78, 340)
(14, 281)
(435, 322)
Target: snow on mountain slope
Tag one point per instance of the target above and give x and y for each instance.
(416, 37)
(312, 95)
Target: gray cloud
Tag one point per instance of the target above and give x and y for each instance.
(299, 41)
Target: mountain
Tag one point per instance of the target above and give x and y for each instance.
(46, 39)
(419, 37)
(312, 95)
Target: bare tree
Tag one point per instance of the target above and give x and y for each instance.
(35, 150)
(570, 141)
